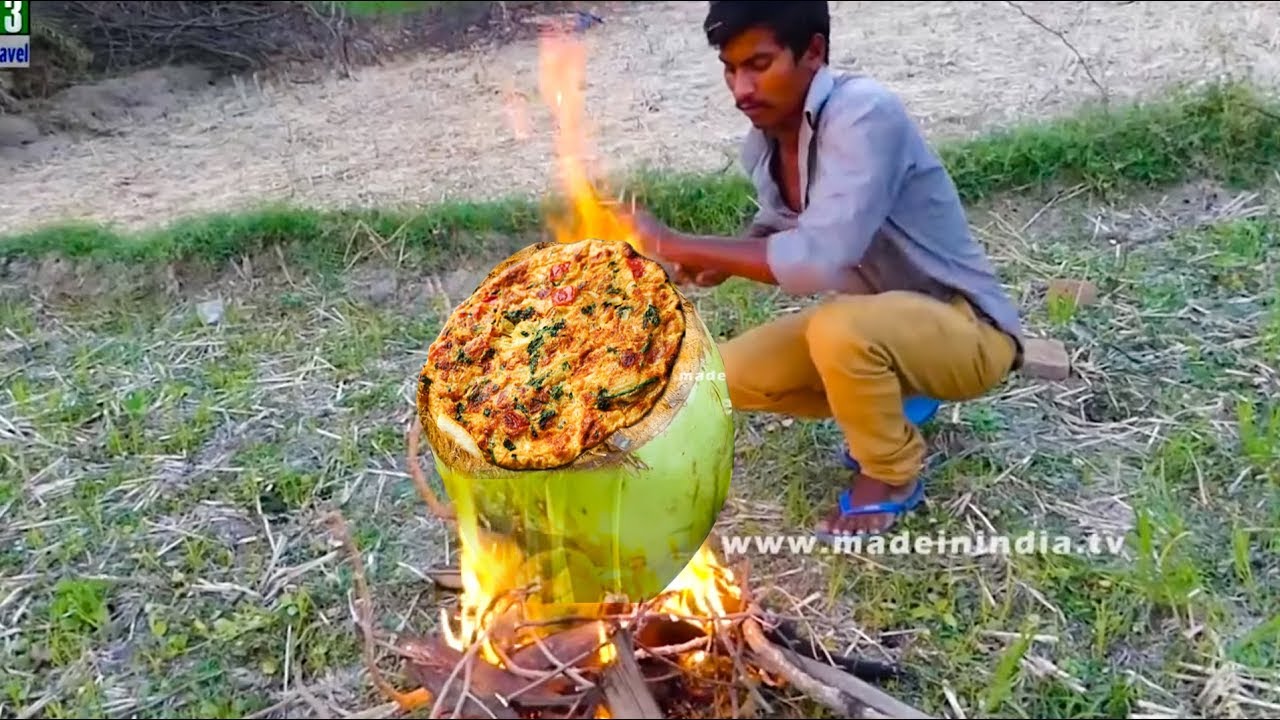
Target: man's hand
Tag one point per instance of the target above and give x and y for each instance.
(707, 259)
(651, 234)
(685, 275)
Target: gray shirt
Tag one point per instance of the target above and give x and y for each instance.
(879, 212)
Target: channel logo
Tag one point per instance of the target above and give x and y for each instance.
(15, 34)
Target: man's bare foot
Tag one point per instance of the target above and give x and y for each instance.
(864, 491)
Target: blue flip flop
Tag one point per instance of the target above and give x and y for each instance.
(895, 508)
(919, 410)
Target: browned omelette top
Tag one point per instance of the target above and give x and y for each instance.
(553, 354)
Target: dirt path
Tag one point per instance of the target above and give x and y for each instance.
(433, 128)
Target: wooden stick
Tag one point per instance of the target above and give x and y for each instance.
(434, 665)
(624, 686)
(448, 578)
(831, 686)
(770, 657)
(409, 701)
(548, 654)
(787, 636)
(430, 662)
(566, 667)
(865, 693)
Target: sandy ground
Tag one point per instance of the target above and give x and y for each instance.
(433, 128)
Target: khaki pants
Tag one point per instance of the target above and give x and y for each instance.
(855, 357)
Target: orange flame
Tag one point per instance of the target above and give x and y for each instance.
(705, 588)
(489, 566)
(705, 593)
(562, 80)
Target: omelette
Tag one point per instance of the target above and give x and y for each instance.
(555, 352)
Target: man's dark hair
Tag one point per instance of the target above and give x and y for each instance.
(793, 22)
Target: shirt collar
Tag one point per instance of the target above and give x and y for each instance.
(820, 89)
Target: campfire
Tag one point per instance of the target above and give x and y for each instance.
(702, 648)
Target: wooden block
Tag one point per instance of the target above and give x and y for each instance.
(1046, 360)
(625, 689)
(1082, 292)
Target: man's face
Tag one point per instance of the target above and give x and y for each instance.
(768, 83)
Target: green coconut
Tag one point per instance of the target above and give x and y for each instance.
(619, 522)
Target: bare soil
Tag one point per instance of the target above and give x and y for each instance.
(470, 124)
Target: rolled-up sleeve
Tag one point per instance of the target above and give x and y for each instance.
(862, 158)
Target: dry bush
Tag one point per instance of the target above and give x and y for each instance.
(226, 37)
(59, 60)
(78, 41)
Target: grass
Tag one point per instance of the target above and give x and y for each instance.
(163, 480)
(1222, 131)
(388, 7)
(365, 8)
(1148, 444)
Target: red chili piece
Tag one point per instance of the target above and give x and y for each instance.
(564, 295)
(514, 422)
(637, 267)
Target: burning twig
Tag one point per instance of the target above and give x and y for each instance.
(704, 636)
(434, 665)
(702, 644)
(697, 643)
(740, 669)
(545, 654)
(567, 667)
(487, 689)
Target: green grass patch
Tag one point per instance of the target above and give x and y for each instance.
(162, 515)
(1171, 446)
(360, 8)
(1227, 132)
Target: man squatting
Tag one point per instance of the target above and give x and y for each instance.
(856, 206)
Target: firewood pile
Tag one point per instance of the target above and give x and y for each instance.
(645, 662)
